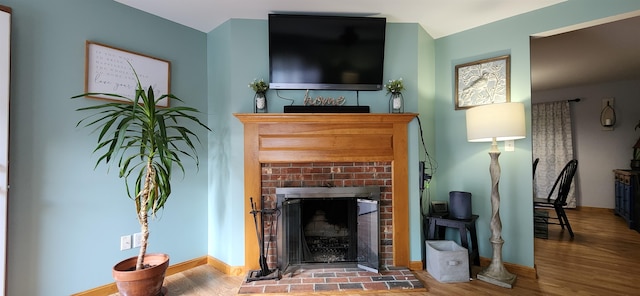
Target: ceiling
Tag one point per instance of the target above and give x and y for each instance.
(599, 51)
(438, 17)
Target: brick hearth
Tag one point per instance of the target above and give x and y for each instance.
(331, 280)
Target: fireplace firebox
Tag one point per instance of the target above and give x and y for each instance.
(328, 225)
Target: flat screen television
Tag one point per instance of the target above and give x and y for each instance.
(326, 52)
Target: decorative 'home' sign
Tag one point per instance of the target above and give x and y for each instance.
(107, 70)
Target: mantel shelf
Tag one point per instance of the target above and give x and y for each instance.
(325, 117)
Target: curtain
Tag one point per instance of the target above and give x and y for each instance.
(552, 144)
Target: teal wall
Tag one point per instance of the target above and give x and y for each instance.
(424, 139)
(65, 218)
(464, 166)
(238, 54)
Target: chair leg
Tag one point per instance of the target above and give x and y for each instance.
(559, 214)
(566, 221)
(562, 216)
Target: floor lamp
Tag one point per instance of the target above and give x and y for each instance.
(492, 123)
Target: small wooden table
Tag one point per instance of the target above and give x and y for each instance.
(464, 226)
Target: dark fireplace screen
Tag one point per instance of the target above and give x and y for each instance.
(329, 225)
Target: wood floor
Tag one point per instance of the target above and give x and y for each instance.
(602, 259)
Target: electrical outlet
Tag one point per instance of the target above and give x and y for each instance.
(125, 242)
(509, 145)
(137, 239)
(424, 175)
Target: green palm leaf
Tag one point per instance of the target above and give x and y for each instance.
(145, 142)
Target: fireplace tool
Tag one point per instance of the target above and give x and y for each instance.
(264, 273)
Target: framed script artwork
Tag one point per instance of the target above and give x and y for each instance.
(483, 82)
(107, 70)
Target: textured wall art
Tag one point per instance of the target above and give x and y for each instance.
(482, 82)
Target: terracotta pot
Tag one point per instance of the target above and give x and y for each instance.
(145, 282)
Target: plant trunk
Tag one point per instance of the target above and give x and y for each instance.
(143, 214)
(144, 228)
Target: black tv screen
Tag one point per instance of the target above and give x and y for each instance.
(326, 52)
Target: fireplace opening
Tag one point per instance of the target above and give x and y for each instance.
(328, 230)
(328, 225)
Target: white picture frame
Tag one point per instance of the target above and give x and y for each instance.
(483, 82)
(107, 70)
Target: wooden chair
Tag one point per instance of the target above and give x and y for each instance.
(557, 198)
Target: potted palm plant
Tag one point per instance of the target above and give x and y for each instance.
(146, 143)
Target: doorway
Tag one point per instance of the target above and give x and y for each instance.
(574, 62)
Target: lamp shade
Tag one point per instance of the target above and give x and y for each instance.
(503, 121)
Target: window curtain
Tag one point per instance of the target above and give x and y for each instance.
(552, 144)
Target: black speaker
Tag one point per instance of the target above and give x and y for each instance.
(460, 205)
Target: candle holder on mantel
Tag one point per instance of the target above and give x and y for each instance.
(260, 103)
(396, 103)
(260, 98)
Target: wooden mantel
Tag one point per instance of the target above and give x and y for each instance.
(327, 137)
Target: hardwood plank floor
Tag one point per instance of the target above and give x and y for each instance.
(602, 259)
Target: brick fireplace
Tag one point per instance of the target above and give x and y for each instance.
(345, 175)
(329, 150)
